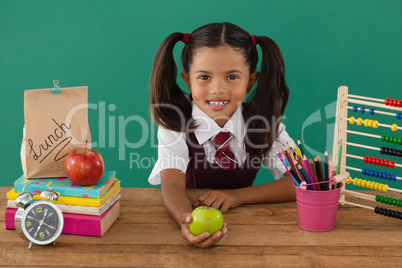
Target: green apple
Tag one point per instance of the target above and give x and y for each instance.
(206, 219)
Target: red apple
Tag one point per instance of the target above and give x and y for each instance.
(84, 167)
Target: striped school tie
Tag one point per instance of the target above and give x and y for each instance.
(224, 158)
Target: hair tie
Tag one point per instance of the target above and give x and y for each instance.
(186, 37)
(253, 40)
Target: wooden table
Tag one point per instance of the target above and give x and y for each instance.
(264, 235)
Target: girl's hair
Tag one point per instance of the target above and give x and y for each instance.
(265, 104)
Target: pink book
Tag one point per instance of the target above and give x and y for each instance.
(79, 224)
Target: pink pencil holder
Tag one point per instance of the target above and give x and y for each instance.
(317, 209)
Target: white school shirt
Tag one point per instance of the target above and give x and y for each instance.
(173, 152)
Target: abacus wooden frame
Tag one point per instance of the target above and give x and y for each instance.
(341, 124)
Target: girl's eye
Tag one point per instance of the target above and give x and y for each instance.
(204, 77)
(232, 77)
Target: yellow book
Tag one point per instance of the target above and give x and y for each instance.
(78, 201)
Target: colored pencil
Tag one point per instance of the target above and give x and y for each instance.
(321, 170)
(308, 171)
(301, 170)
(326, 174)
(291, 163)
(313, 170)
(298, 167)
(294, 175)
(330, 170)
(301, 147)
(280, 157)
(338, 167)
(297, 149)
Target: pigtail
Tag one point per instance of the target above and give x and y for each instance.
(168, 103)
(268, 100)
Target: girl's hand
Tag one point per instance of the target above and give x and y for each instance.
(222, 200)
(202, 240)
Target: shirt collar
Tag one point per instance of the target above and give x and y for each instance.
(207, 127)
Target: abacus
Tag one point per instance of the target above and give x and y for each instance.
(363, 109)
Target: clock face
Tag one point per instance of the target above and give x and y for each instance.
(42, 222)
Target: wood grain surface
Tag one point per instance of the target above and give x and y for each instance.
(263, 235)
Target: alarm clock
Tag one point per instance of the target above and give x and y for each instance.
(39, 222)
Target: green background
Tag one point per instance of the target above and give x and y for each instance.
(109, 46)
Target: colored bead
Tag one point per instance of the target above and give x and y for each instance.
(392, 164)
(382, 137)
(387, 139)
(377, 198)
(393, 177)
(378, 161)
(398, 115)
(386, 101)
(366, 121)
(394, 127)
(370, 123)
(395, 140)
(355, 108)
(391, 102)
(375, 124)
(380, 189)
(386, 163)
(399, 103)
(395, 103)
(364, 170)
(371, 111)
(385, 188)
(352, 120)
(349, 180)
(365, 159)
(382, 150)
(363, 110)
(376, 186)
(400, 141)
(359, 121)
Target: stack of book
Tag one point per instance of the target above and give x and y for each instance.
(87, 210)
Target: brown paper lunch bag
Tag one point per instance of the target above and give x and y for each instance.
(55, 125)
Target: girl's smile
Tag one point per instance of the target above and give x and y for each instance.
(217, 105)
(219, 80)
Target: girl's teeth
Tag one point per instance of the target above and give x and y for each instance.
(218, 103)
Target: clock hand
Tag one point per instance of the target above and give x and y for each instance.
(32, 218)
(44, 216)
(37, 230)
(50, 226)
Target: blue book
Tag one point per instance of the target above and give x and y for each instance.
(64, 187)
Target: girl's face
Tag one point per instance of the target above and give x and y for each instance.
(219, 80)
